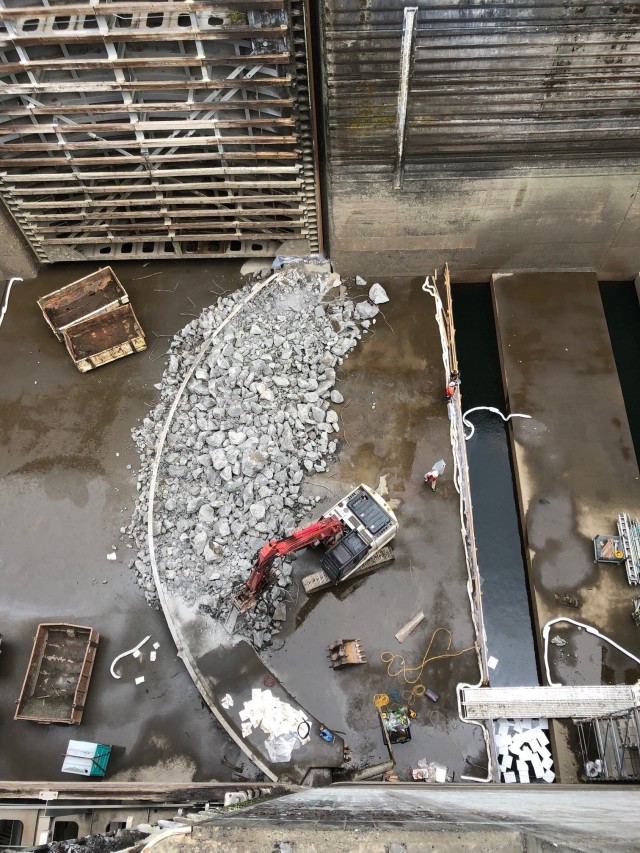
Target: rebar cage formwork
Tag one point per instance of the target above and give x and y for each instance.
(157, 128)
(614, 741)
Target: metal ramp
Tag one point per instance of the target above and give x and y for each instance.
(495, 703)
(629, 530)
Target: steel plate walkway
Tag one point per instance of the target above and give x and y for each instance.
(495, 703)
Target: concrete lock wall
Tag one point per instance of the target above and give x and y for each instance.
(494, 136)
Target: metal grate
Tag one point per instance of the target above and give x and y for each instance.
(169, 128)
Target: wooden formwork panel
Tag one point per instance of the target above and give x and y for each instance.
(95, 293)
(56, 683)
(104, 338)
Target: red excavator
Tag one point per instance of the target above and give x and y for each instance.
(323, 532)
(352, 531)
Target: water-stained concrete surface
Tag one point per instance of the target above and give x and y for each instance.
(394, 426)
(64, 451)
(65, 446)
(575, 466)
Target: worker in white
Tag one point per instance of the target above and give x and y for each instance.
(436, 471)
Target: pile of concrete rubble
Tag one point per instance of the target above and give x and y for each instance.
(254, 419)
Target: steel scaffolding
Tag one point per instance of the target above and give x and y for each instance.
(614, 742)
(168, 128)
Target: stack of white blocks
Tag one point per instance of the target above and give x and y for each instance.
(523, 751)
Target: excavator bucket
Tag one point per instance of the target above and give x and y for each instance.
(346, 653)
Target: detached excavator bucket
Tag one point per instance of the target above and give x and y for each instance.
(346, 653)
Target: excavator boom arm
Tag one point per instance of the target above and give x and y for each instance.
(325, 531)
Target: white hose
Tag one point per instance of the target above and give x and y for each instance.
(5, 301)
(505, 418)
(590, 630)
(124, 655)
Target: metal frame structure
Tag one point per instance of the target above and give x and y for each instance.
(615, 741)
(159, 128)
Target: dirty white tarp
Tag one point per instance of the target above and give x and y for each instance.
(287, 726)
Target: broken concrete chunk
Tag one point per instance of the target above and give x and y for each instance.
(361, 282)
(365, 310)
(377, 294)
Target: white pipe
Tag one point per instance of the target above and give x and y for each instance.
(590, 630)
(505, 418)
(124, 655)
(5, 301)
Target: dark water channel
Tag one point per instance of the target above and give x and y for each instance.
(622, 311)
(504, 589)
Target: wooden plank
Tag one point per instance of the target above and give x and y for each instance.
(108, 791)
(156, 185)
(140, 85)
(109, 160)
(152, 61)
(71, 37)
(165, 203)
(109, 228)
(141, 108)
(134, 145)
(160, 213)
(207, 236)
(164, 6)
(75, 177)
(160, 125)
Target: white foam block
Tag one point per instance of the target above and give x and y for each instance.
(523, 769)
(492, 663)
(524, 779)
(136, 654)
(510, 778)
(549, 776)
(156, 645)
(506, 763)
(140, 679)
(152, 655)
(538, 769)
(547, 762)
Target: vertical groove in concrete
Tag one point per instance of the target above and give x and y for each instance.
(166, 128)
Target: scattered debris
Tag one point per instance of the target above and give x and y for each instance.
(227, 701)
(411, 625)
(287, 727)
(346, 653)
(608, 549)
(430, 772)
(493, 662)
(94, 319)
(361, 282)
(112, 556)
(139, 679)
(567, 600)
(56, 684)
(558, 641)
(133, 651)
